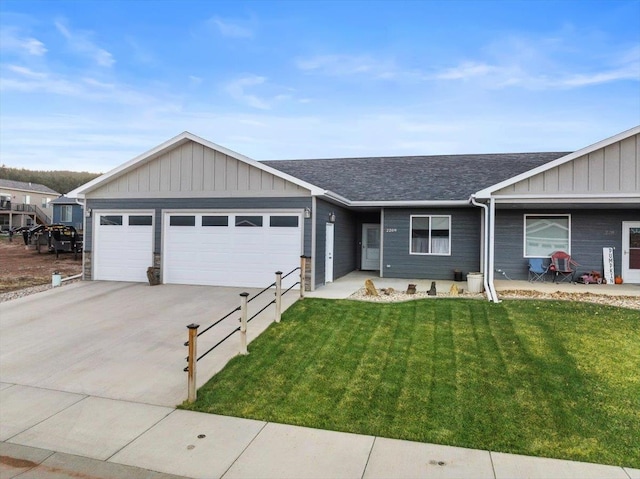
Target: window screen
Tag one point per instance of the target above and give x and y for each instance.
(430, 235)
(545, 234)
(182, 221)
(140, 220)
(112, 220)
(215, 221)
(283, 221)
(249, 221)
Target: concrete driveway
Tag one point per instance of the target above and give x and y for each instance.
(121, 340)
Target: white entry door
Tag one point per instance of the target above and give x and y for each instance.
(370, 247)
(631, 251)
(328, 258)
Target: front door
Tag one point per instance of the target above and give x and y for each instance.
(631, 251)
(370, 247)
(328, 258)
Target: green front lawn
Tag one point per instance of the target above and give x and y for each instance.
(545, 378)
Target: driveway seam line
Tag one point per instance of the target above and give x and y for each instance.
(364, 471)
(43, 420)
(108, 459)
(244, 450)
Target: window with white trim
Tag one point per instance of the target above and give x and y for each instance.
(430, 234)
(545, 234)
(66, 213)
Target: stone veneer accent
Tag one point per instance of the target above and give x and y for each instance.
(307, 274)
(86, 266)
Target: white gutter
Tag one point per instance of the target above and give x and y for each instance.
(487, 264)
(394, 203)
(406, 203)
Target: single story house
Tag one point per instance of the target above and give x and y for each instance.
(24, 204)
(69, 212)
(204, 214)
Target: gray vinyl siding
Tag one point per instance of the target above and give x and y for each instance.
(194, 170)
(613, 169)
(591, 230)
(189, 204)
(344, 247)
(76, 215)
(465, 245)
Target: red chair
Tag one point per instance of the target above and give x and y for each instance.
(562, 267)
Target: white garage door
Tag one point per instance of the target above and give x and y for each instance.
(231, 249)
(123, 246)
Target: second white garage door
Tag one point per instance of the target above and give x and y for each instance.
(230, 249)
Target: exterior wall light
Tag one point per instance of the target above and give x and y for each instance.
(307, 212)
(332, 217)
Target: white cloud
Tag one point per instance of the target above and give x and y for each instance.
(80, 41)
(27, 72)
(466, 70)
(237, 90)
(348, 65)
(11, 40)
(230, 29)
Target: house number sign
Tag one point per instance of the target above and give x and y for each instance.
(391, 230)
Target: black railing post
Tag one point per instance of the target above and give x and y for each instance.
(278, 295)
(243, 323)
(191, 371)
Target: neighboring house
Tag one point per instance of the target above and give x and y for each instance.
(68, 211)
(25, 204)
(204, 214)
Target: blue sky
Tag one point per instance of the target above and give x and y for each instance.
(89, 85)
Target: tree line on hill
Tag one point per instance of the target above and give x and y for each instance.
(60, 181)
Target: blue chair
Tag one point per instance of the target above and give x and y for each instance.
(537, 270)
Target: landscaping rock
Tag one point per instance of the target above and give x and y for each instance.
(370, 288)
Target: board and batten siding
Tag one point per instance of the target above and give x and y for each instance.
(613, 169)
(158, 205)
(591, 230)
(465, 245)
(344, 246)
(194, 170)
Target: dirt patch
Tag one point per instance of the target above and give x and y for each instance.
(22, 268)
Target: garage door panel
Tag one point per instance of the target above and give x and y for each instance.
(123, 252)
(231, 255)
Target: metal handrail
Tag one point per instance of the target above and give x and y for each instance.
(193, 358)
(268, 304)
(218, 321)
(291, 272)
(290, 288)
(213, 347)
(258, 294)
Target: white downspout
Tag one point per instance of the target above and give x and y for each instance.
(488, 240)
(492, 249)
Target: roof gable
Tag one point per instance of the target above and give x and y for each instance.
(609, 167)
(191, 166)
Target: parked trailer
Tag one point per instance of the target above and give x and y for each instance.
(57, 238)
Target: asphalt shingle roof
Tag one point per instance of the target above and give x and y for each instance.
(23, 185)
(412, 178)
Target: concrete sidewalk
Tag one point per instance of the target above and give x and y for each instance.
(48, 433)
